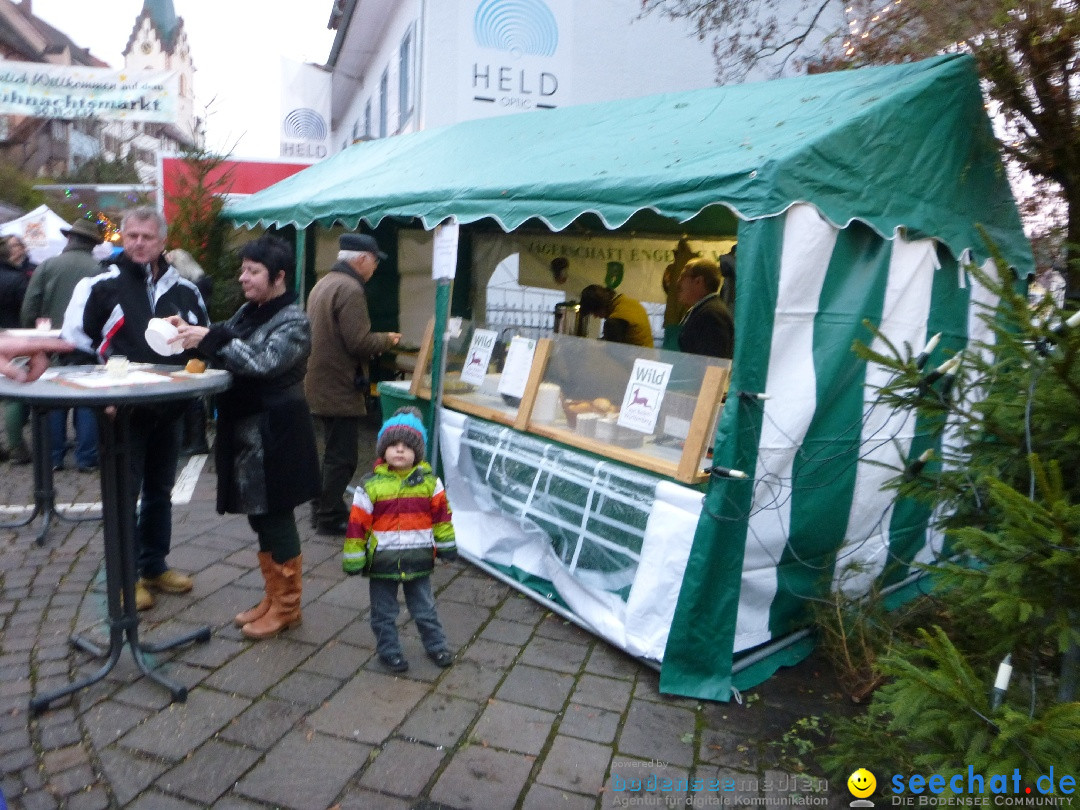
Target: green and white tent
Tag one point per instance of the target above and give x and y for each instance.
(855, 195)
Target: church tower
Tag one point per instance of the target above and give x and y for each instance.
(158, 41)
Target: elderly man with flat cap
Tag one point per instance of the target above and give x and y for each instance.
(342, 345)
(48, 295)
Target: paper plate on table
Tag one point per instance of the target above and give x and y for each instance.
(158, 334)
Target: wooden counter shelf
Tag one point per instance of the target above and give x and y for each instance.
(687, 470)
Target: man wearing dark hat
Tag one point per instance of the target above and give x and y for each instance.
(342, 345)
(47, 296)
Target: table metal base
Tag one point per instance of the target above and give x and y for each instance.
(118, 512)
(44, 491)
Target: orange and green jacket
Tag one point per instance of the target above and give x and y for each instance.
(398, 522)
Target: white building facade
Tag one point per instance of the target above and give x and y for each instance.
(406, 65)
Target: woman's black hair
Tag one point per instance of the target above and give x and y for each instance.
(273, 253)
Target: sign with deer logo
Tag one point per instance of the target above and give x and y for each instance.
(476, 361)
(644, 394)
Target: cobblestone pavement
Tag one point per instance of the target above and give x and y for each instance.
(534, 713)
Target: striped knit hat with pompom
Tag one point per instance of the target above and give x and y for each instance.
(404, 426)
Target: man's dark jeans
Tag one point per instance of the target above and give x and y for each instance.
(341, 435)
(155, 449)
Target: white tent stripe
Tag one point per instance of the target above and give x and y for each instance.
(886, 433)
(980, 337)
(808, 245)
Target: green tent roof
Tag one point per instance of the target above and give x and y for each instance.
(904, 146)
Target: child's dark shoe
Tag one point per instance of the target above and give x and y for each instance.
(442, 658)
(394, 663)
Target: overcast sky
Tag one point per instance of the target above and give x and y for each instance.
(236, 46)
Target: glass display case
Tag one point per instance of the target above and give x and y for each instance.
(647, 408)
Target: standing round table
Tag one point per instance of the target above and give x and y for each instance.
(92, 387)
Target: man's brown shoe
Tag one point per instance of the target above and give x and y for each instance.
(170, 582)
(144, 600)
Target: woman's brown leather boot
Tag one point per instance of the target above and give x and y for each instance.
(257, 612)
(284, 612)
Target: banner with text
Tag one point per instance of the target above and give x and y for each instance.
(70, 91)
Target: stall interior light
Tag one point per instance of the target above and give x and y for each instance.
(924, 355)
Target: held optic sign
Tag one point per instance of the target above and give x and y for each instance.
(62, 91)
(516, 55)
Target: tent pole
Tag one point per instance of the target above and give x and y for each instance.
(438, 365)
(298, 272)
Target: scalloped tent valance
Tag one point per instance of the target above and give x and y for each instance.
(903, 148)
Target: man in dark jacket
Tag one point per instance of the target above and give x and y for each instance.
(14, 276)
(342, 344)
(107, 316)
(50, 291)
(707, 327)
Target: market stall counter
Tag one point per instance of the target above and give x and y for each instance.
(119, 389)
(575, 470)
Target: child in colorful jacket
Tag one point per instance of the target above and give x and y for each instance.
(399, 523)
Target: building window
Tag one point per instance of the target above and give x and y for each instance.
(405, 78)
(384, 100)
(367, 119)
(356, 130)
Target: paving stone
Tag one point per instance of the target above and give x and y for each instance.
(664, 786)
(337, 660)
(612, 662)
(728, 747)
(38, 800)
(491, 654)
(70, 781)
(506, 632)
(357, 799)
(542, 797)
(321, 623)
(514, 727)
(470, 680)
(60, 736)
(261, 667)
(559, 629)
(519, 608)
(128, 774)
(329, 763)
(482, 778)
(368, 707)
(439, 720)
(156, 801)
(576, 765)
(563, 656)
(605, 693)
(460, 621)
(214, 653)
(263, 724)
(474, 590)
(306, 689)
(61, 759)
(656, 731)
(590, 723)
(350, 593)
(210, 771)
(402, 768)
(733, 787)
(94, 797)
(175, 731)
(536, 687)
